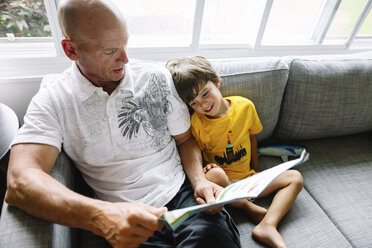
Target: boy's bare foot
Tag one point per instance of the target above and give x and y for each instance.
(268, 235)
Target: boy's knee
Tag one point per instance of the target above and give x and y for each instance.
(296, 178)
(218, 176)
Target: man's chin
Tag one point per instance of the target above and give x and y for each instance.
(117, 77)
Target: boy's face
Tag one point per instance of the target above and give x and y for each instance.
(209, 101)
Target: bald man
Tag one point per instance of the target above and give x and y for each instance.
(126, 130)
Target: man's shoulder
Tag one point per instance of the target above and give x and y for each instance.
(147, 66)
(56, 78)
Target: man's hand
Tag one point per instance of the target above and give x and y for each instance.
(129, 224)
(206, 192)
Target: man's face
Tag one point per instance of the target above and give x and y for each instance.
(102, 57)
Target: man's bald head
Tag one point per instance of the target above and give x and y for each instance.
(87, 19)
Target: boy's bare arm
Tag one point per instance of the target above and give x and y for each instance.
(205, 191)
(254, 153)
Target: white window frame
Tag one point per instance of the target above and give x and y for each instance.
(45, 55)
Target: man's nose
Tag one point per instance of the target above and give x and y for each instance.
(123, 56)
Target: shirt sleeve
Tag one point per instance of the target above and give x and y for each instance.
(41, 123)
(256, 125)
(179, 117)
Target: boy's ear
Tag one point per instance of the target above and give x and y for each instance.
(218, 83)
(69, 49)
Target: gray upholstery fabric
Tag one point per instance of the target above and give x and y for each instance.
(262, 80)
(326, 98)
(338, 176)
(19, 229)
(305, 225)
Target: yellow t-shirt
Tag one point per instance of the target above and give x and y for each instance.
(225, 141)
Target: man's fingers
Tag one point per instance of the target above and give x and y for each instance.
(200, 200)
(148, 219)
(209, 196)
(156, 211)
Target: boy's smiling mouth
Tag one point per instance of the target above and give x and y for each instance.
(209, 109)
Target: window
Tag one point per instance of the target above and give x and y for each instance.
(292, 22)
(161, 23)
(215, 28)
(231, 22)
(28, 29)
(344, 21)
(23, 19)
(366, 29)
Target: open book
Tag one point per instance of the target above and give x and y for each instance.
(248, 188)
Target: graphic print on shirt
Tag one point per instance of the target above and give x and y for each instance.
(230, 156)
(148, 112)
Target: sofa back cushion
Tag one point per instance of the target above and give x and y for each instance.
(262, 80)
(327, 97)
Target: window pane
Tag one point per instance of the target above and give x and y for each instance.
(292, 21)
(158, 23)
(344, 21)
(23, 18)
(366, 29)
(231, 21)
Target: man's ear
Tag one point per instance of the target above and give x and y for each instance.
(69, 49)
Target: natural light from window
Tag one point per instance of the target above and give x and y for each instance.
(366, 29)
(227, 23)
(344, 21)
(292, 22)
(23, 19)
(29, 28)
(164, 23)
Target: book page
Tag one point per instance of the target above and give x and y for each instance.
(248, 188)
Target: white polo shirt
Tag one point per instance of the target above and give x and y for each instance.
(121, 142)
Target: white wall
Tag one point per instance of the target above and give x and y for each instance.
(17, 95)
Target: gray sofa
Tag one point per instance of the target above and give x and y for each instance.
(323, 103)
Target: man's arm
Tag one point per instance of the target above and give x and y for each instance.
(32, 189)
(254, 153)
(205, 191)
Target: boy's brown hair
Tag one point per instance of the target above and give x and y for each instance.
(190, 74)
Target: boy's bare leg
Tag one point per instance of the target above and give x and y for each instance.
(217, 175)
(255, 212)
(289, 185)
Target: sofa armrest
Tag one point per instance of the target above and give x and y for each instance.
(19, 229)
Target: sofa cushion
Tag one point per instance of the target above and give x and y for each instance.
(338, 176)
(262, 80)
(19, 229)
(327, 97)
(305, 225)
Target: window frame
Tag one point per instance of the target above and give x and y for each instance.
(34, 51)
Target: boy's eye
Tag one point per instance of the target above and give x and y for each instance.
(205, 94)
(192, 104)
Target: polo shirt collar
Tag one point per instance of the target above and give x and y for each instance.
(86, 88)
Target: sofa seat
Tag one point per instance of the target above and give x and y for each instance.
(338, 176)
(334, 209)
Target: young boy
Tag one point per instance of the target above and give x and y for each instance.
(225, 130)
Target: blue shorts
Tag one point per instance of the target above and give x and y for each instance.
(200, 230)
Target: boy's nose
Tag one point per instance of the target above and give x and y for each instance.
(203, 104)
